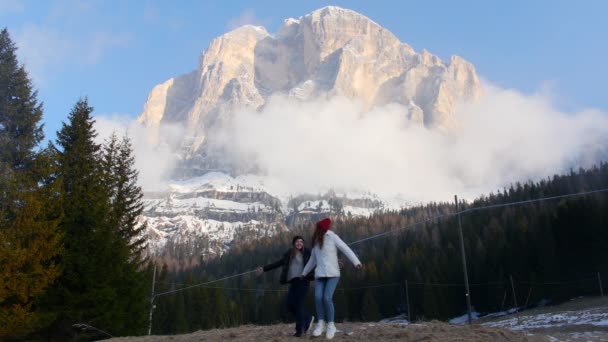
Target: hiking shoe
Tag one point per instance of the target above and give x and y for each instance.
(319, 328)
(331, 330)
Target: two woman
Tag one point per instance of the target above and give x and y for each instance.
(298, 262)
(292, 264)
(324, 256)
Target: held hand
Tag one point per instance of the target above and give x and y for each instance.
(359, 266)
(341, 263)
(259, 271)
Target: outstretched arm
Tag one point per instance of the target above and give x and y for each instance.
(343, 247)
(272, 266)
(312, 262)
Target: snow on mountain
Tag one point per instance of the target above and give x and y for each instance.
(202, 216)
(195, 236)
(219, 181)
(314, 206)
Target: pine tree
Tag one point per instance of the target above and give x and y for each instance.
(109, 162)
(21, 113)
(180, 321)
(127, 204)
(125, 207)
(83, 293)
(29, 239)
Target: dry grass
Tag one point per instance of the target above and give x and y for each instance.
(431, 331)
(426, 331)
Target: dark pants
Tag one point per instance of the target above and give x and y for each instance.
(296, 296)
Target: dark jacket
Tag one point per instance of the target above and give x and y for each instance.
(285, 261)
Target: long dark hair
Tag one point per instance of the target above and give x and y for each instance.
(317, 237)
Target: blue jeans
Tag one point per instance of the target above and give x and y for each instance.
(324, 297)
(295, 303)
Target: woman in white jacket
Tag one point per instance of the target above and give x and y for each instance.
(324, 256)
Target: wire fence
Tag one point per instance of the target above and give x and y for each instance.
(407, 297)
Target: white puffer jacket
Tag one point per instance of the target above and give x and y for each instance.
(326, 258)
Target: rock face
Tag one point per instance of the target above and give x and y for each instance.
(331, 51)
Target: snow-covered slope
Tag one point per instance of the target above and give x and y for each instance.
(202, 216)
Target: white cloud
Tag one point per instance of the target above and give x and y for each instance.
(72, 10)
(11, 6)
(313, 146)
(46, 51)
(42, 49)
(506, 137)
(102, 42)
(247, 17)
(68, 35)
(153, 161)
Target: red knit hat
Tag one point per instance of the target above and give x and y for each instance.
(324, 224)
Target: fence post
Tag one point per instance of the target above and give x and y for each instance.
(599, 280)
(407, 301)
(464, 262)
(504, 299)
(528, 298)
(152, 301)
(515, 300)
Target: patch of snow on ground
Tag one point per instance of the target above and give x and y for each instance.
(464, 318)
(401, 319)
(596, 317)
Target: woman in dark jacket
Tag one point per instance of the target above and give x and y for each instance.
(292, 263)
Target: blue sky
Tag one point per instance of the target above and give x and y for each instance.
(114, 52)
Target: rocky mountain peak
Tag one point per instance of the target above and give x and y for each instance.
(330, 52)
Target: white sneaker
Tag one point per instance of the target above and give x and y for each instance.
(319, 328)
(331, 330)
